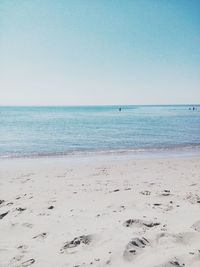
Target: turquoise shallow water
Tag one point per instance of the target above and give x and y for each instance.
(46, 131)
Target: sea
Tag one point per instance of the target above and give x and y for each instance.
(83, 130)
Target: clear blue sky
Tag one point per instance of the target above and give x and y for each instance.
(59, 52)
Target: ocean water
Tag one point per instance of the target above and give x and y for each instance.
(48, 131)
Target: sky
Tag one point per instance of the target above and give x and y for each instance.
(99, 52)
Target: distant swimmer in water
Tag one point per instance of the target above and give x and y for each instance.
(120, 109)
(193, 108)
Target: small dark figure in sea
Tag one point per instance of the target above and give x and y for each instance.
(193, 108)
(120, 109)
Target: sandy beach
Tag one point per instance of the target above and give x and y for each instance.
(99, 133)
(141, 212)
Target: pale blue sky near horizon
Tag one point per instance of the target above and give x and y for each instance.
(99, 52)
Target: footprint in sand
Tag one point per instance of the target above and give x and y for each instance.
(196, 226)
(169, 238)
(70, 246)
(27, 263)
(140, 223)
(16, 259)
(22, 248)
(192, 198)
(173, 262)
(135, 247)
(41, 236)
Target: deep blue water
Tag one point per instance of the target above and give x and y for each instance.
(32, 131)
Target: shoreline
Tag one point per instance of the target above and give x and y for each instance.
(121, 153)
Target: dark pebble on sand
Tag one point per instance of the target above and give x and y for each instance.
(151, 224)
(3, 215)
(20, 209)
(51, 207)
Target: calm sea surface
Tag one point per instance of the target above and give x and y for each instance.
(46, 131)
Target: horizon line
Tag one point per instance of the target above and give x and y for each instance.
(101, 105)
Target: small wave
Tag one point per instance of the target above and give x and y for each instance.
(189, 148)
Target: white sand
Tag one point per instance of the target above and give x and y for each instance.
(130, 212)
